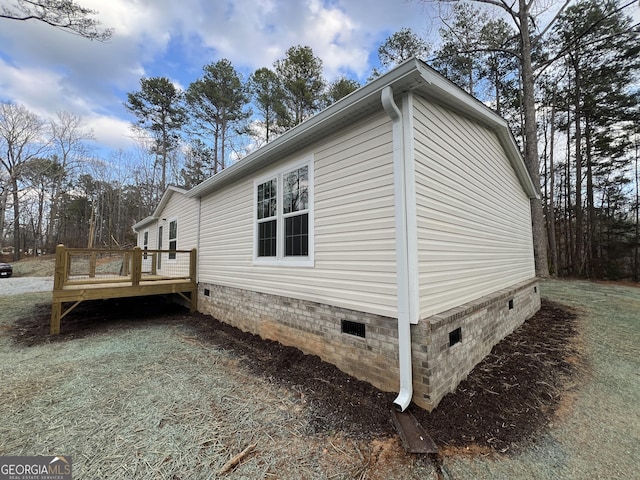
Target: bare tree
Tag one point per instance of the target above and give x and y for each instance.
(69, 137)
(21, 139)
(530, 34)
(64, 14)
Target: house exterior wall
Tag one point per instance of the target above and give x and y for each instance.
(313, 327)
(474, 221)
(469, 238)
(152, 242)
(184, 211)
(354, 227)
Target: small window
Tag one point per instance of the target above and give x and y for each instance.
(207, 292)
(295, 206)
(511, 304)
(173, 239)
(267, 221)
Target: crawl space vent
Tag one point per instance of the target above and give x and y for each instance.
(353, 328)
(455, 336)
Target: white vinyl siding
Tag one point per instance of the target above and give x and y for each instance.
(474, 221)
(150, 229)
(354, 227)
(184, 211)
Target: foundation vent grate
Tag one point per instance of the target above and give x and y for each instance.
(353, 328)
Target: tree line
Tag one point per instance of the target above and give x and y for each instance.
(53, 189)
(212, 122)
(567, 82)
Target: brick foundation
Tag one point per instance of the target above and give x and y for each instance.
(439, 367)
(316, 329)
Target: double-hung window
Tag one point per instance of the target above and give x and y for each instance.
(145, 242)
(284, 217)
(173, 239)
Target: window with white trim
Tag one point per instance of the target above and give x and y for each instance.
(284, 220)
(173, 239)
(145, 242)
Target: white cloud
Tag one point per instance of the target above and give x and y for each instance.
(111, 132)
(48, 70)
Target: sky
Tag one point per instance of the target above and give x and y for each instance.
(48, 70)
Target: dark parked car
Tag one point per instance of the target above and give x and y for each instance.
(6, 270)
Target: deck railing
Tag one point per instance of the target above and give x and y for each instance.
(92, 274)
(78, 266)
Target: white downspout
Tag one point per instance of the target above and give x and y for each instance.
(405, 394)
(198, 241)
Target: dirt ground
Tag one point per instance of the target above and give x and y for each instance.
(142, 389)
(503, 405)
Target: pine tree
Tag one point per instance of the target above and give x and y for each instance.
(300, 73)
(217, 102)
(159, 111)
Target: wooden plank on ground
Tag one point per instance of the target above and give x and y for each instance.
(415, 438)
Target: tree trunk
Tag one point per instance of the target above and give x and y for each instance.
(552, 185)
(636, 271)
(4, 193)
(578, 267)
(592, 245)
(568, 208)
(16, 219)
(531, 142)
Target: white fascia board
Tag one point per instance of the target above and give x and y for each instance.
(171, 189)
(413, 74)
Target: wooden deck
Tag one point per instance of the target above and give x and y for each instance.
(95, 274)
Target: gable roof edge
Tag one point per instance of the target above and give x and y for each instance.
(169, 191)
(413, 74)
(453, 96)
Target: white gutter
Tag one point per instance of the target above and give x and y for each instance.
(405, 394)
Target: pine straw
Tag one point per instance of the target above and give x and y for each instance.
(150, 401)
(140, 407)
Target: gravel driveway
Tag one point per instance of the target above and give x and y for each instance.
(19, 285)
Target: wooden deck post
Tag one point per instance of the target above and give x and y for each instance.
(126, 264)
(136, 266)
(154, 266)
(59, 276)
(92, 265)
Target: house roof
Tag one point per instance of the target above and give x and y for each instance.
(171, 189)
(411, 75)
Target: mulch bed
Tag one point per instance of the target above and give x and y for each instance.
(505, 403)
